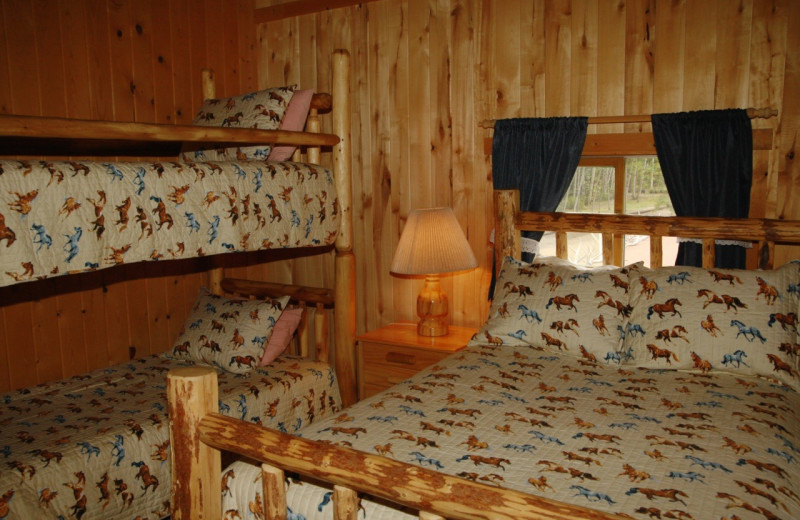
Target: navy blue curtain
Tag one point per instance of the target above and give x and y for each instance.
(707, 161)
(537, 156)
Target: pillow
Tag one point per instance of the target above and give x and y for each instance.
(263, 110)
(726, 319)
(557, 305)
(281, 335)
(228, 333)
(293, 120)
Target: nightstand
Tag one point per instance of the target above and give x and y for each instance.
(391, 354)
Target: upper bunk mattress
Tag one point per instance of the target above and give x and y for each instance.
(96, 446)
(67, 217)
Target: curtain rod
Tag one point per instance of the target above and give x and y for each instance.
(752, 113)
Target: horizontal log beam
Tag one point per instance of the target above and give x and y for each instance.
(398, 482)
(297, 293)
(30, 135)
(637, 143)
(752, 113)
(301, 7)
(745, 229)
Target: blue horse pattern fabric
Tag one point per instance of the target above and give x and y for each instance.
(642, 443)
(68, 217)
(96, 446)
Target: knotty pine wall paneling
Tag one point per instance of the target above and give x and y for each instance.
(118, 60)
(425, 73)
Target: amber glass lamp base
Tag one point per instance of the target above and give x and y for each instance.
(432, 308)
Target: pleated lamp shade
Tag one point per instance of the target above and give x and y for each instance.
(432, 243)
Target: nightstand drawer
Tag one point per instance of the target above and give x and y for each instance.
(400, 358)
(394, 353)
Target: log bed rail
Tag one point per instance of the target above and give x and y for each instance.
(198, 432)
(33, 135)
(53, 136)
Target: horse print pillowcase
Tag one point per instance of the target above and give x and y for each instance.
(723, 319)
(559, 306)
(228, 333)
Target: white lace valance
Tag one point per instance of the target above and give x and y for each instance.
(746, 245)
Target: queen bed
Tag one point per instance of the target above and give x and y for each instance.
(96, 445)
(611, 392)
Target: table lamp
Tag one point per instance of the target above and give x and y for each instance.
(432, 243)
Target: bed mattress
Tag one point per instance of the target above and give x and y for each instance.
(96, 446)
(641, 443)
(60, 217)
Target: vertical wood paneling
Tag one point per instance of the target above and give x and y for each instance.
(610, 84)
(767, 65)
(99, 45)
(583, 76)
(670, 53)
(525, 58)
(732, 56)
(787, 149)
(126, 60)
(639, 58)
(558, 50)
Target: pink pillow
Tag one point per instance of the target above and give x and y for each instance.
(282, 334)
(294, 119)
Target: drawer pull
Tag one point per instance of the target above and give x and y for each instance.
(401, 359)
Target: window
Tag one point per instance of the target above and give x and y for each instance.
(632, 185)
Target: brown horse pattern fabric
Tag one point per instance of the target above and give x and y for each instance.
(715, 319)
(554, 304)
(228, 333)
(642, 443)
(66, 217)
(96, 446)
(263, 110)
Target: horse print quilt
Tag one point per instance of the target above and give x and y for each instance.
(96, 446)
(639, 442)
(60, 217)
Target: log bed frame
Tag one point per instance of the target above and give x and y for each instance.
(57, 137)
(199, 432)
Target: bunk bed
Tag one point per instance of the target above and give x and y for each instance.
(97, 445)
(510, 428)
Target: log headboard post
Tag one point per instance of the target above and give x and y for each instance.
(507, 241)
(345, 264)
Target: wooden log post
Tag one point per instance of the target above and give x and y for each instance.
(303, 331)
(215, 274)
(345, 503)
(709, 253)
(314, 125)
(609, 253)
(274, 492)
(322, 352)
(507, 241)
(345, 264)
(656, 252)
(196, 487)
(562, 245)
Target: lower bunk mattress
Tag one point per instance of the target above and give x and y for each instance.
(96, 446)
(641, 443)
